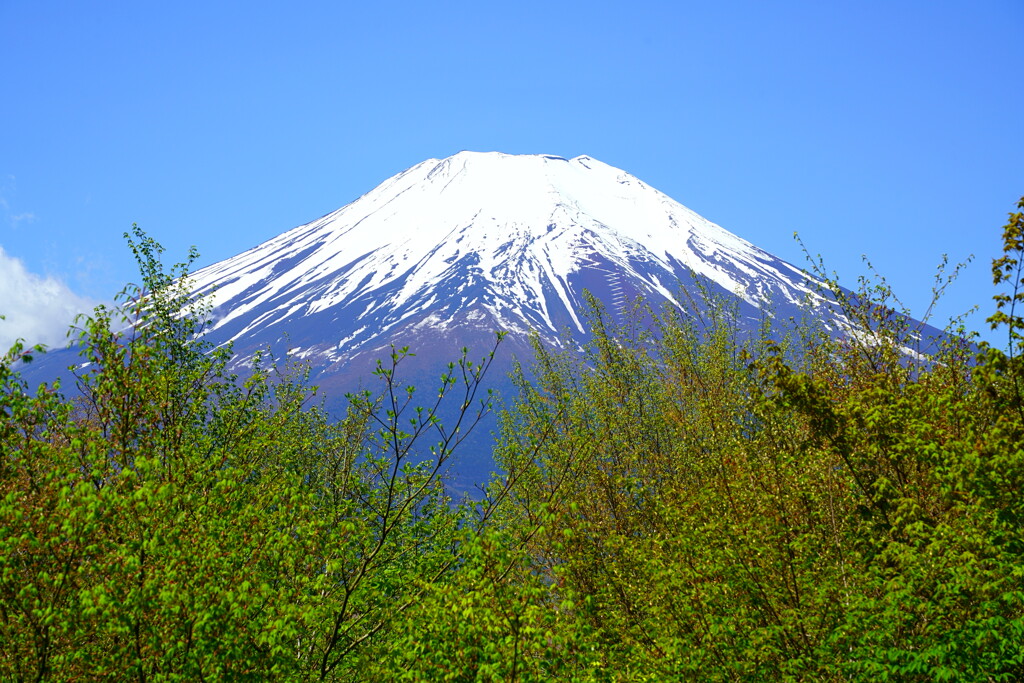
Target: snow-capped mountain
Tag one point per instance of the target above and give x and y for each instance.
(452, 249)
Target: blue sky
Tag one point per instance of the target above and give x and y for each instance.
(893, 129)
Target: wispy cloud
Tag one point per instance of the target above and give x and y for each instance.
(26, 217)
(7, 186)
(36, 308)
(7, 191)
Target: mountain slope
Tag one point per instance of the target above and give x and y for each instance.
(475, 243)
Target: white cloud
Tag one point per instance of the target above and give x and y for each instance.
(37, 309)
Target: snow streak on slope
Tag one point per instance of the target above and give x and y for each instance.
(485, 240)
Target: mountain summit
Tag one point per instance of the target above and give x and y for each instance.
(474, 243)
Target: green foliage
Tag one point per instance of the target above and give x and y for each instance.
(494, 620)
(805, 507)
(683, 501)
(177, 523)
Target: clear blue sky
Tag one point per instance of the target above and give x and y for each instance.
(893, 129)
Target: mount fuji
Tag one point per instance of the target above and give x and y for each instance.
(446, 253)
(449, 251)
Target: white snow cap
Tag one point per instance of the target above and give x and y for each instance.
(496, 232)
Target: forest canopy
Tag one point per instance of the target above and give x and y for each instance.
(682, 501)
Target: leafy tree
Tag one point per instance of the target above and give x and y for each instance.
(804, 506)
(180, 524)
